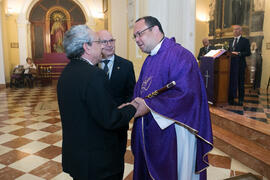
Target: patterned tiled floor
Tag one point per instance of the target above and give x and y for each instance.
(256, 106)
(31, 137)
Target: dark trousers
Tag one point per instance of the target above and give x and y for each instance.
(29, 80)
(123, 146)
(237, 79)
(118, 176)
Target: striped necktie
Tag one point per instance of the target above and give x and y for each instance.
(106, 68)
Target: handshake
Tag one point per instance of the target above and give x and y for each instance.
(140, 106)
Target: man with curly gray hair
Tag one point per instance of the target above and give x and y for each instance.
(90, 118)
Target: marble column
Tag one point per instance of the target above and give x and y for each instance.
(119, 26)
(177, 18)
(22, 38)
(2, 67)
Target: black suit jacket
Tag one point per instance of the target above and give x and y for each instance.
(122, 80)
(203, 51)
(122, 84)
(243, 47)
(90, 122)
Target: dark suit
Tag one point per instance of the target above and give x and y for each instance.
(204, 51)
(90, 123)
(237, 70)
(122, 82)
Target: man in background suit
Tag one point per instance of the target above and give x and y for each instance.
(120, 71)
(205, 49)
(240, 48)
(121, 77)
(90, 118)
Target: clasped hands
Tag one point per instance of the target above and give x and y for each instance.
(140, 106)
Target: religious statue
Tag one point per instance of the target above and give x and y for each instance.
(57, 32)
(255, 65)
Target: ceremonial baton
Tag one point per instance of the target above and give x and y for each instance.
(161, 90)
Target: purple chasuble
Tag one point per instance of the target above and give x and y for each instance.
(154, 149)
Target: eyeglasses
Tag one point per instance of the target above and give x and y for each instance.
(140, 33)
(98, 41)
(107, 41)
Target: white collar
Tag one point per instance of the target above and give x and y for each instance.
(87, 60)
(155, 50)
(111, 62)
(238, 37)
(110, 58)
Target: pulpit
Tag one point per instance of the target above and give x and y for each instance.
(216, 75)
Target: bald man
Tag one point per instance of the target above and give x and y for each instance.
(121, 77)
(240, 48)
(205, 49)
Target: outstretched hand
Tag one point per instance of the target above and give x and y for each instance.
(133, 103)
(142, 108)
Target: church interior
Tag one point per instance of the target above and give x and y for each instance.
(30, 124)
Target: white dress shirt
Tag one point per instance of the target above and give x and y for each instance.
(110, 65)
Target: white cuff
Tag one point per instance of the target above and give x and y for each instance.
(162, 121)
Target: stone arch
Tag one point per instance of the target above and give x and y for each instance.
(24, 35)
(29, 4)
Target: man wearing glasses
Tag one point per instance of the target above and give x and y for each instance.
(90, 118)
(121, 77)
(171, 138)
(240, 48)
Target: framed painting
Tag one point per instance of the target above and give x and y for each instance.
(57, 23)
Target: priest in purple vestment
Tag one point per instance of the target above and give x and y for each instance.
(172, 135)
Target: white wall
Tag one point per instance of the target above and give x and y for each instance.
(177, 18)
(119, 26)
(2, 67)
(202, 25)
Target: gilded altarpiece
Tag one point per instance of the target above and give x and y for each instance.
(49, 20)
